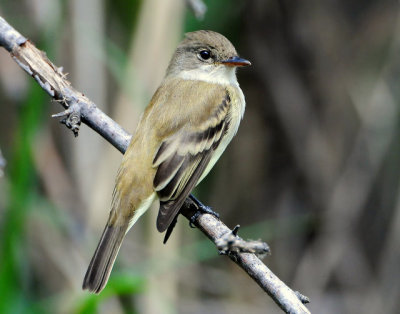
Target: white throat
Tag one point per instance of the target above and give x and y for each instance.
(221, 74)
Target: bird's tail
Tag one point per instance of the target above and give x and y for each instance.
(104, 257)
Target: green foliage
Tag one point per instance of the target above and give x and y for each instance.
(22, 185)
(118, 285)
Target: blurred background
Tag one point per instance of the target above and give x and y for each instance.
(314, 170)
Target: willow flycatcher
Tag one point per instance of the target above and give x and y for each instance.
(187, 125)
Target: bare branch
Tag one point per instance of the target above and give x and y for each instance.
(9, 37)
(215, 229)
(231, 242)
(304, 299)
(53, 81)
(80, 108)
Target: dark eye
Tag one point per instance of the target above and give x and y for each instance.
(205, 54)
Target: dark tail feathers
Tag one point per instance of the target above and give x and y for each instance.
(103, 259)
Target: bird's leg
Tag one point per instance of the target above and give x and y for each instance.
(201, 209)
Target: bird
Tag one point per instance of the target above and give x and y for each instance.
(188, 123)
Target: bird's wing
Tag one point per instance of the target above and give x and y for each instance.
(182, 158)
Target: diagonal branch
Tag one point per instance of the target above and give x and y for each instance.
(80, 108)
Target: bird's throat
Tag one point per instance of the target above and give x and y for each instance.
(224, 75)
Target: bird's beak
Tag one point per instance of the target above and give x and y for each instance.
(236, 62)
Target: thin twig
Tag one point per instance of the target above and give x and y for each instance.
(215, 229)
(54, 82)
(231, 242)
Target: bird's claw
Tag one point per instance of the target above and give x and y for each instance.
(202, 209)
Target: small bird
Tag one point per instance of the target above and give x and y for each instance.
(187, 125)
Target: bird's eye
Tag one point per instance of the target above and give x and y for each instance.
(205, 54)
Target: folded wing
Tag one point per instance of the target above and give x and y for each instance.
(182, 158)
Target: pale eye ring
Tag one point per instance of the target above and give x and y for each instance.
(205, 54)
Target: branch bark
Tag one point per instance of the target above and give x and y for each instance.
(79, 108)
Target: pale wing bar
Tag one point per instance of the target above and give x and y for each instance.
(181, 160)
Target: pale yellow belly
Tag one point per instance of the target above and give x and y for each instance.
(238, 106)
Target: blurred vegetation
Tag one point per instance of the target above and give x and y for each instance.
(314, 169)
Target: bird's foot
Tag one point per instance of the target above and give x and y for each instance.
(202, 209)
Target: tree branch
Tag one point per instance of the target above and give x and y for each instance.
(80, 108)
